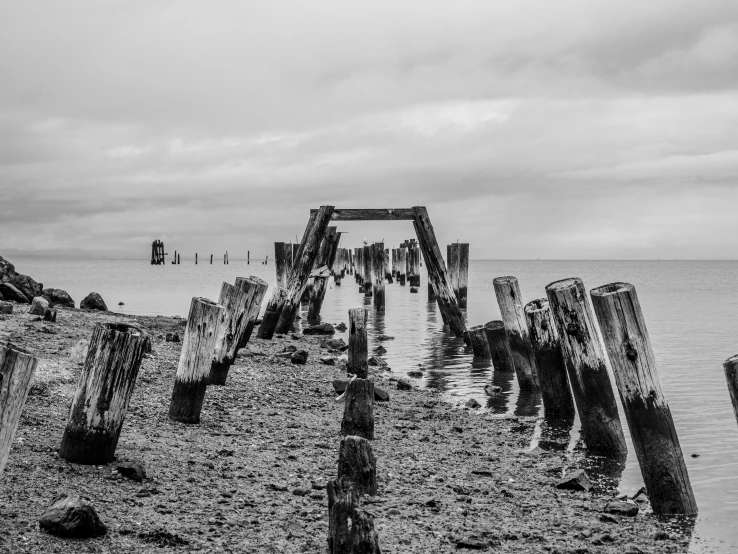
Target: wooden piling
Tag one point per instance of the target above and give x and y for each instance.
(510, 302)
(358, 413)
(586, 367)
(350, 529)
(203, 325)
(236, 303)
(357, 463)
(282, 263)
(378, 274)
(499, 345)
(478, 341)
(272, 313)
(452, 263)
(104, 390)
(17, 367)
(211, 259)
(366, 258)
(358, 349)
(646, 409)
(437, 271)
(557, 400)
(323, 262)
(256, 288)
(462, 274)
(402, 265)
(195, 258)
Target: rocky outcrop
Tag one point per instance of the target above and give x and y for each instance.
(24, 283)
(93, 301)
(11, 292)
(58, 297)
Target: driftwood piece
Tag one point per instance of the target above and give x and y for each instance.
(499, 345)
(358, 413)
(103, 392)
(236, 302)
(17, 367)
(357, 463)
(358, 349)
(646, 409)
(510, 302)
(586, 367)
(350, 529)
(257, 288)
(555, 392)
(203, 325)
(447, 303)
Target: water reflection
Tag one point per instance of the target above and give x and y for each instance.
(554, 437)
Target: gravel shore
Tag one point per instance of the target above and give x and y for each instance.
(251, 476)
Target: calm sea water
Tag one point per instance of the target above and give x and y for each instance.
(690, 308)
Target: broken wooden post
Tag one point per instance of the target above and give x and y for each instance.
(437, 271)
(358, 348)
(366, 258)
(510, 301)
(203, 325)
(358, 413)
(378, 274)
(452, 263)
(402, 265)
(350, 529)
(324, 261)
(557, 400)
(282, 262)
(499, 345)
(302, 266)
(272, 313)
(462, 280)
(646, 409)
(357, 463)
(17, 367)
(236, 303)
(211, 259)
(585, 364)
(256, 288)
(478, 341)
(414, 264)
(103, 392)
(195, 258)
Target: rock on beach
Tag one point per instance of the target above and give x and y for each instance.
(58, 297)
(93, 301)
(72, 516)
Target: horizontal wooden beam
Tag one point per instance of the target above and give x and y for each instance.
(392, 214)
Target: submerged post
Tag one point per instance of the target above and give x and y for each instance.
(17, 367)
(203, 325)
(103, 392)
(585, 365)
(646, 409)
(378, 274)
(358, 349)
(437, 271)
(555, 392)
(510, 301)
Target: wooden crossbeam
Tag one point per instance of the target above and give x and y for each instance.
(386, 214)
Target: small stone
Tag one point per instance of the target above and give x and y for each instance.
(322, 329)
(72, 516)
(492, 390)
(393, 512)
(50, 315)
(620, 508)
(289, 348)
(336, 344)
(575, 481)
(299, 357)
(121, 304)
(415, 374)
(39, 305)
(472, 403)
(606, 518)
(172, 337)
(300, 492)
(413, 289)
(93, 301)
(328, 360)
(403, 384)
(341, 327)
(383, 338)
(380, 350)
(471, 543)
(132, 470)
(376, 361)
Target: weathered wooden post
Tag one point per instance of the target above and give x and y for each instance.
(358, 413)
(248, 257)
(510, 301)
(324, 261)
(437, 271)
(462, 274)
(452, 262)
(195, 258)
(350, 529)
(272, 313)
(730, 366)
(378, 274)
(103, 392)
(478, 341)
(402, 265)
(555, 392)
(585, 364)
(257, 288)
(17, 367)
(647, 411)
(281, 263)
(366, 258)
(203, 325)
(357, 463)
(358, 348)
(499, 345)
(236, 303)
(416, 264)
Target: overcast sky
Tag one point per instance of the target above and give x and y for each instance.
(529, 128)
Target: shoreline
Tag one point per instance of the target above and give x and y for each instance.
(251, 475)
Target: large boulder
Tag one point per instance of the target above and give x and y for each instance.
(11, 292)
(72, 516)
(58, 297)
(29, 287)
(93, 301)
(39, 306)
